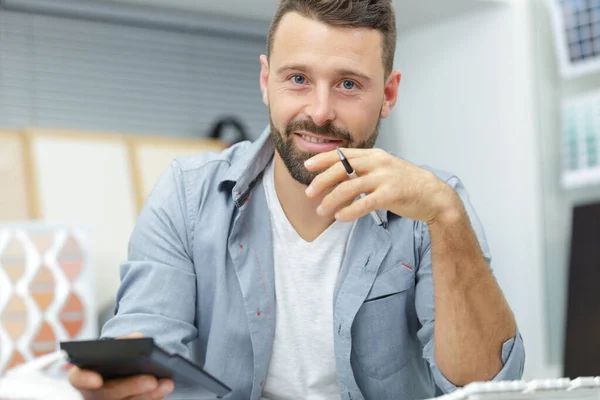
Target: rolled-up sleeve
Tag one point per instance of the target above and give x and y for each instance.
(513, 360)
(157, 296)
(512, 351)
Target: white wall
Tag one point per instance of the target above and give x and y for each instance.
(465, 105)
(557, 202)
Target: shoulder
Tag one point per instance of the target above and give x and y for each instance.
(445, 176)
(216, 162)
(190, 179)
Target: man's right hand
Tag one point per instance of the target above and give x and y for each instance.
(92, 387)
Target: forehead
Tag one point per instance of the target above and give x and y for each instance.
(303, 40)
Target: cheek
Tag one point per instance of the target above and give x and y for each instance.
(284, 109)
(360, 118)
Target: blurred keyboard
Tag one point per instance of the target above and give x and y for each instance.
(562, 388)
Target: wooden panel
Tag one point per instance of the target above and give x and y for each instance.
(14, 202)
(85, 179)
(151, 157)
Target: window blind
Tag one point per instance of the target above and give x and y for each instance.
(96, 70)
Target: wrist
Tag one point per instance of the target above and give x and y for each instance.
(448, 208)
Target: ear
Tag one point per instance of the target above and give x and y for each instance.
(390, 93)
(264, 78)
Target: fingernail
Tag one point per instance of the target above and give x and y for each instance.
(309, 162)
(320, 210)
(338, 215)
(148, 383)
(310, 190)
(94, 380)
(165, 388)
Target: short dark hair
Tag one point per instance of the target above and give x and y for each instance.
(375, 14)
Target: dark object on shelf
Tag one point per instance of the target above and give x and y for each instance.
(222, 124)
(582, 339)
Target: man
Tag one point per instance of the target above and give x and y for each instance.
(290, 288)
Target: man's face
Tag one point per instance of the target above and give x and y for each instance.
(325, 88)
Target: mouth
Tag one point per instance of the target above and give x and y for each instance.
(316, 139)
(312, 143)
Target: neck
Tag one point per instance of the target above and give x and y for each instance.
(300, 210)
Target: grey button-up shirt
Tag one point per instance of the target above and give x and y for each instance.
(200, 268)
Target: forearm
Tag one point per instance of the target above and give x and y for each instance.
(472, 317)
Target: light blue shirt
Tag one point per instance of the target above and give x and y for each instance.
(200, 269)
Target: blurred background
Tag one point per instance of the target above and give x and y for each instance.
(97, 97)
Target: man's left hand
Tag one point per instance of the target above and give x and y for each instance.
(389, 183)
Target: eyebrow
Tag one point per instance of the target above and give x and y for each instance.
(340, 72)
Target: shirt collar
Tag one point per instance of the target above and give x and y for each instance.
(247, 168)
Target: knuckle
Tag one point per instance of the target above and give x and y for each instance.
(346, 191)
(369, 202)
(340, 169)
(322, 179)
(387, 191)
(317, 179)
(352, 186)
(381, 155)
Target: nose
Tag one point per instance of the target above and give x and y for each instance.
(321, 109)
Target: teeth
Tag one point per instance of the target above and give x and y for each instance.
(314, 139)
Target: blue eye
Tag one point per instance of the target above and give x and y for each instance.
(349, 85)
(298, 79)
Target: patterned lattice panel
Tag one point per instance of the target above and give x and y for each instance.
(46, 291)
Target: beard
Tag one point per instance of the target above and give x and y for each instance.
(294, 158)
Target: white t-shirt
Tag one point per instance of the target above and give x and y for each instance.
(303, 362)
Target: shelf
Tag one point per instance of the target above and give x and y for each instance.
(581, 178)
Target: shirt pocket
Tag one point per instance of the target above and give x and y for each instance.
(381, 342)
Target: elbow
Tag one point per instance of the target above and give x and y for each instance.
(462, 374)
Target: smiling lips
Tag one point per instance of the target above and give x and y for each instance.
(316, 143)
(315, 139)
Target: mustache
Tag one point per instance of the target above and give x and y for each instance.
(327, 130)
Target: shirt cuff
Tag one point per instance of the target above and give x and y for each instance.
(513, 360)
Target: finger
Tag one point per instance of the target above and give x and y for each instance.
(165, 387)
(326, 179)
(325, 160)
(140, 397)
(134, 335)
(128, 387)
(90, 395)
(337, 173)
(84, 380)
(359, 208)
(345, 193)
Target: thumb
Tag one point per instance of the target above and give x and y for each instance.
(135, 335)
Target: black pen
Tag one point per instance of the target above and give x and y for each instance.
(352, 175)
